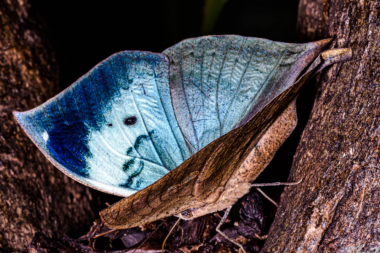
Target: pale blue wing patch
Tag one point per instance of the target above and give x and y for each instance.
(114, 129)
(217, 81)
(145, 88)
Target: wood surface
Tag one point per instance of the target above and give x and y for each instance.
(336, 207)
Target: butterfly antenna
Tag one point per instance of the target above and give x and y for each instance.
(146, 239)
(171, 230)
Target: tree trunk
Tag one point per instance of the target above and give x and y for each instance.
(34, 196)
(336, 207)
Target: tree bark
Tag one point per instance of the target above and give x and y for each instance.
(336, 207)
(34, 196)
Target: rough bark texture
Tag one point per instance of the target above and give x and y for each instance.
(34, 196)
(336, 207)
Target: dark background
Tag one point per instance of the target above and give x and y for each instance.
(83, 33)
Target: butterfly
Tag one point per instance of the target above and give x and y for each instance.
(182, 132)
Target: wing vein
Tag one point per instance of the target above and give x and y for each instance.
(113, 113)
(51, 126)
(217, 89)
(238, 87)
(233, 69)
(112, 70)
(65, 119)
(93, 146)
(268, 77)
(167, 118)
(186, 99)
(203, 101)
(102, 138)
(146, 129)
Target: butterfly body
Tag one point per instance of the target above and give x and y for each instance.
(185, 130)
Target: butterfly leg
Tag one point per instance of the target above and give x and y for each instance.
(263, 237)
(272, 184)
(223, 234)
(266, 196)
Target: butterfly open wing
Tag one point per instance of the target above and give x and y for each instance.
(128, 122)
(200, 179)
(219, 82)
(114, 129)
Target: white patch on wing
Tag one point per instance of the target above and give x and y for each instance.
(45, 136)
(110, 165)
(104, 165)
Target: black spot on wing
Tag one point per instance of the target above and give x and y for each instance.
(129, 151)
(136, 173)
(130, 80)
(142, 138)
(128, 165)
(130, 121)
